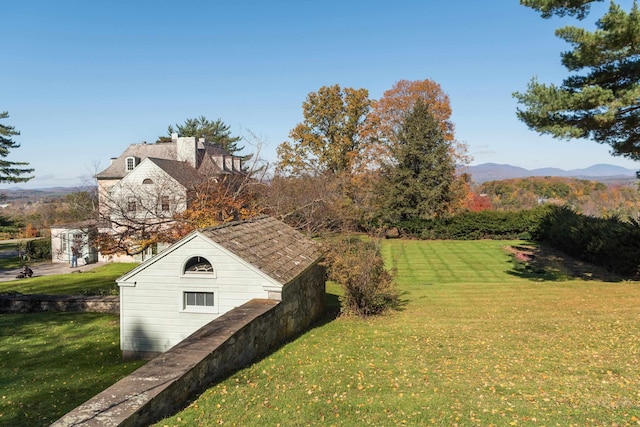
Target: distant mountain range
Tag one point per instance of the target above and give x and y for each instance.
(479, 173)
(600, 172)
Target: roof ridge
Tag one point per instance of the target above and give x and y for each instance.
(235, 223)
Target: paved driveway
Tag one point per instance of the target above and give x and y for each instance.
(46, 269)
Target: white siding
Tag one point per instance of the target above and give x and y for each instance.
(146, 196)
(151, 312)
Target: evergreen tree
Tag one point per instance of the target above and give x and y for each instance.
(215, 132)
(418, 183)
(601, 101)
(11, 171)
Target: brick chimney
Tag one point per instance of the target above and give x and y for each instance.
(186, 150)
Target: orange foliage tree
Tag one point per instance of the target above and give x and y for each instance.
(344, 139)
(215, 202)
(331, 136)
(389, 113)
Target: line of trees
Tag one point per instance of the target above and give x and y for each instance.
(367, 163)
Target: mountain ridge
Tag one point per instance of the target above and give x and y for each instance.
(598, 172)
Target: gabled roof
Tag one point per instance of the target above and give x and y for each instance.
(181, 171)
(160, 150)
(268, 244)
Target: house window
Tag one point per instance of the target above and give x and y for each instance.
(198, 299)
(198, 264)
(147, 181)
(131, 204)
(130, 163)
(164, 203)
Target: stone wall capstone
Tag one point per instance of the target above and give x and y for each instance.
(31, 303)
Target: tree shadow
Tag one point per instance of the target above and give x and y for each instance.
(536, 262)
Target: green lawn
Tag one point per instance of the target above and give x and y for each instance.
(53, 362)
(477, 343)
(98, 281)
(11, 262)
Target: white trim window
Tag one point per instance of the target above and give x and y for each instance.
(130, 163)
(198, 266)
(164, 203)
(199, 300)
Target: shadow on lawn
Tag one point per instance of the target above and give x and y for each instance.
(50, 373)
(538, 263)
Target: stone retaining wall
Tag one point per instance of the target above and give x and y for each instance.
(167, 383)
(19, 303)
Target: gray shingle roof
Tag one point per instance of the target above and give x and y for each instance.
(268, 244)
(161, 150)
(182, 172)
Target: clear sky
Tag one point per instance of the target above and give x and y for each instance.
(82, 80)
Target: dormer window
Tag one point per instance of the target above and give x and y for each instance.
(147, 181)
(130, 163)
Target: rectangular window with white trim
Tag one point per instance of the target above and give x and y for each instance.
(199, 301)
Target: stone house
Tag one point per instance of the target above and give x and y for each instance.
(210, 272)
(146, 186)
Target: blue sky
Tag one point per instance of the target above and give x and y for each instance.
(83, 80)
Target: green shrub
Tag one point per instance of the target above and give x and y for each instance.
(608, 242)
(357, 265)
(39, 249)
(487, 224)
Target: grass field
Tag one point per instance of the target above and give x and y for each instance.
(479, 341)
(52, 362)
(10, 262)
(98, 281)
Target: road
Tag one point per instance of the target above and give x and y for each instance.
(44, 268)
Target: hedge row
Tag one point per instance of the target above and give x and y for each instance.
(38, 249)
(609, 242)
(612, 243)
(487, 224)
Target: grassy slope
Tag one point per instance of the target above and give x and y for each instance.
(99, 281)
(52, 362)
(475, 344)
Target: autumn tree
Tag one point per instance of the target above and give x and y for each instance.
(418, 182)
(600, 99)
(214, 132)
(330, 139)
(389, 112)
(213, 202)
(11, 171)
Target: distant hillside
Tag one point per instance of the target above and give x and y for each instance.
(38, 194)
(601, 172)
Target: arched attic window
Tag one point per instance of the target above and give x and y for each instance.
(197, 265)
(147, 181)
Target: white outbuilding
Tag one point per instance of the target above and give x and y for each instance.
(208, 273)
